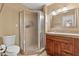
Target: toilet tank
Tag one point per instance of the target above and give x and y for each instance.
(9, 40)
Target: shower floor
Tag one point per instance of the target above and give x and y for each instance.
(31, 53)
(32, 47)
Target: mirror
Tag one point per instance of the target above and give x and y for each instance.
(64, 21)
(67, 19)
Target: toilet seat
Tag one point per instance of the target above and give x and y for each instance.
(13, 49)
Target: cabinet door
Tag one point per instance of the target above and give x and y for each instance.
(68, 46)
(50, 47)
(57, 48)
(76, 47)
(67, 49)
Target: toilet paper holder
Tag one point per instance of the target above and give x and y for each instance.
(2, 50)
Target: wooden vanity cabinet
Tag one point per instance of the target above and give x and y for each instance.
(61, 45)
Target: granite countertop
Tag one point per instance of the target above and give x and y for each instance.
(74, 35)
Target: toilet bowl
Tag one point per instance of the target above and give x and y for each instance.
(12, 49)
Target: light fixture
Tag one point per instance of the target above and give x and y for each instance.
(54, 13)
(64, 9)
(59, 10)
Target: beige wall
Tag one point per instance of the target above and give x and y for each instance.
(9, 17)
(57, 21)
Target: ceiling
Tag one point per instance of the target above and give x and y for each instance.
(34, 6)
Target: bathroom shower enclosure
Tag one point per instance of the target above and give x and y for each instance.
(31, 31)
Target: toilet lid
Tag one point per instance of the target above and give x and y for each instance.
(13, 48)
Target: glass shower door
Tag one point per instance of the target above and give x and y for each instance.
(28, 32)
(31, 31)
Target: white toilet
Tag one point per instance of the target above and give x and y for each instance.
(12, 49)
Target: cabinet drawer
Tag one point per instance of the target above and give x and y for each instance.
(60, 38)
(48, 36)
(68, 39)
(54, 37)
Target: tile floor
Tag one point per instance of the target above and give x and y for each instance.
(43, 54)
